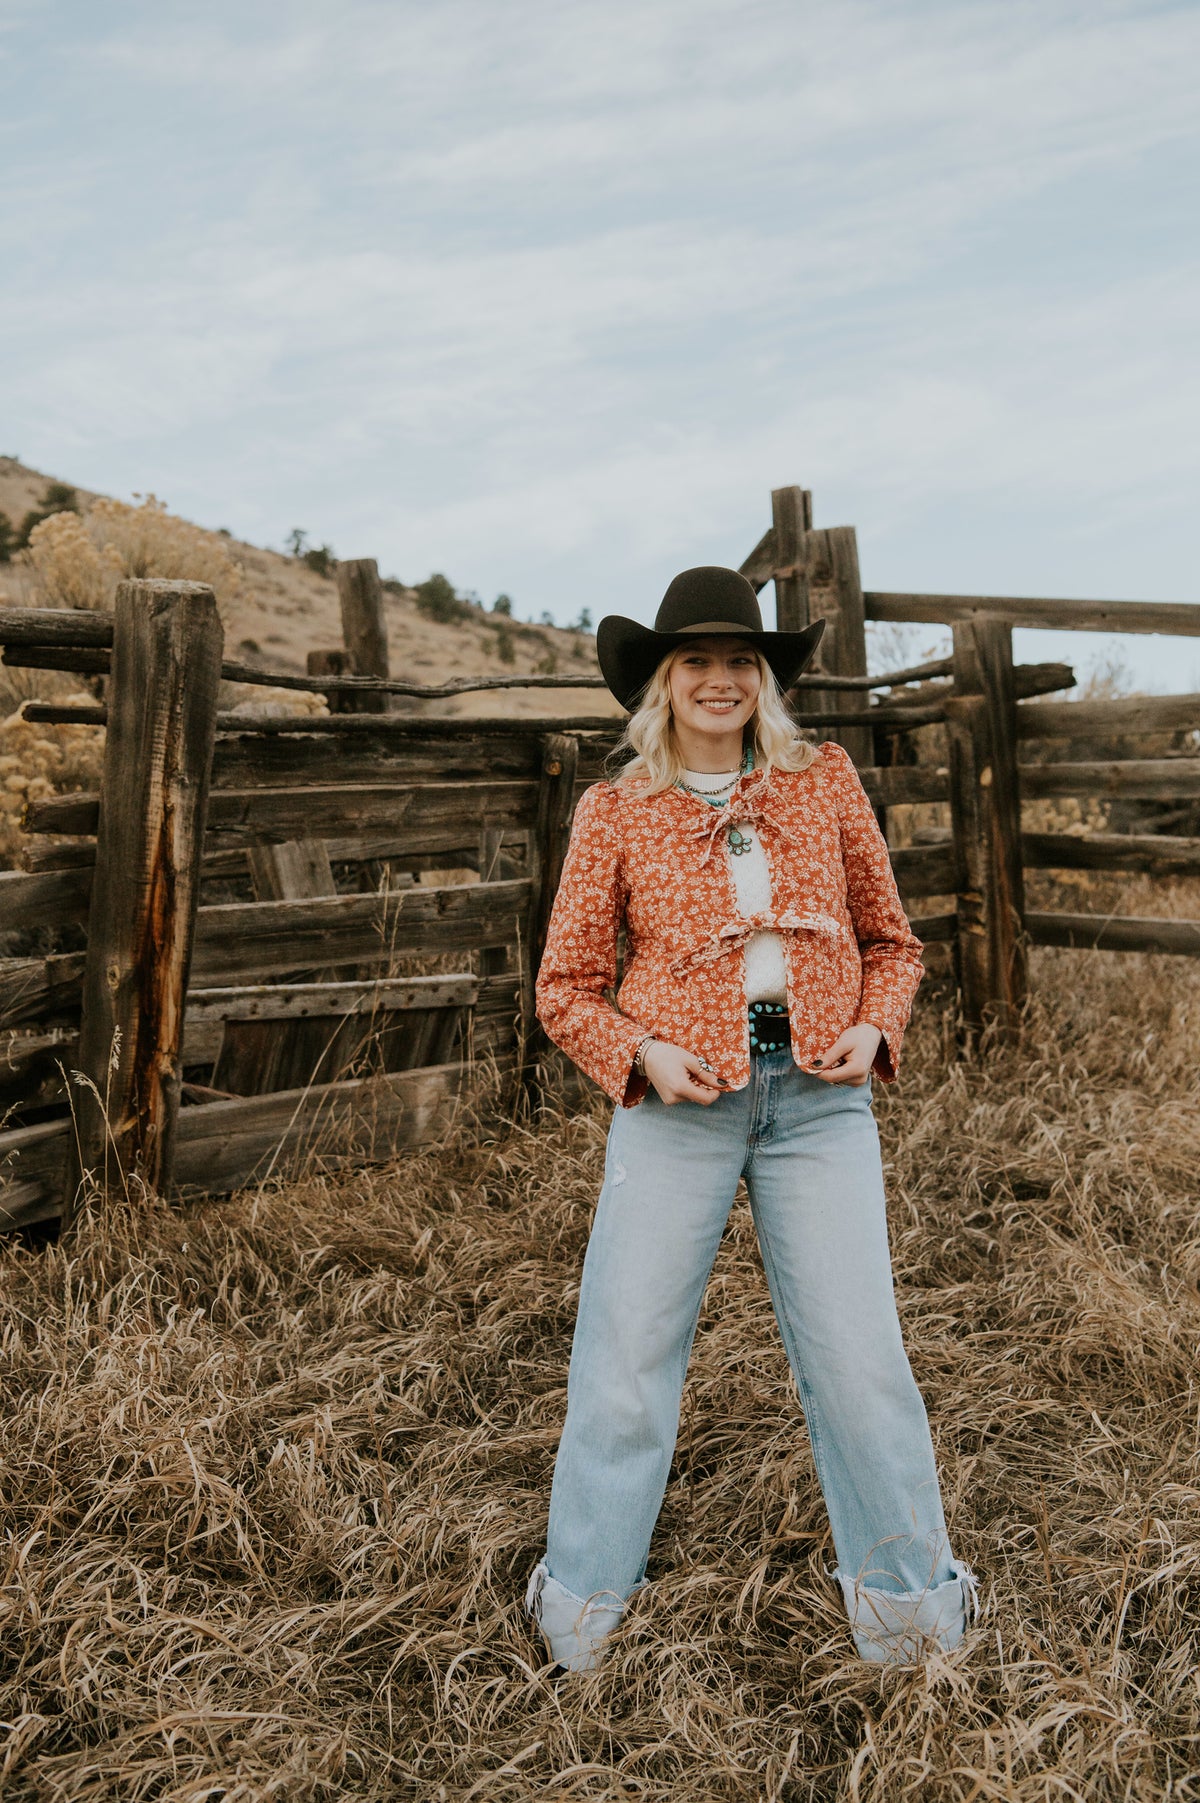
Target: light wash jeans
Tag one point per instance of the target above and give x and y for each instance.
(809, 1152)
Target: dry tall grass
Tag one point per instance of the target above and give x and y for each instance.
(274, 1471)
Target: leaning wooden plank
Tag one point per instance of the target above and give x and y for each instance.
(1115, 933)
(1156, 854)
(925, 869)
(1175, 617)
(56, 898)
(253, 761)
(262, 939)
(759, 567)
(299, 1001)
(224, 1146)
(432, 726)
(32, 1161)
(1128, 714)
(436, 810)
(451, 812)
(1143, 779)
(33, 988)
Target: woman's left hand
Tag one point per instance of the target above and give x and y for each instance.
(849, 1059)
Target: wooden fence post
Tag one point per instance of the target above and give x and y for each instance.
(548, 848)
(364, 627)
(339, 662)
(791, 518)
(162, 709)
(819, 579)
(985, 804)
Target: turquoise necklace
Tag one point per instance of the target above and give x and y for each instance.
(739, 843)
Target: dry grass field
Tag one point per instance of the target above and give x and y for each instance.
(274, 1471)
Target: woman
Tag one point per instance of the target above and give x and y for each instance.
(769, 969)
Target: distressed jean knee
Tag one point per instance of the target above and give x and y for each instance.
(903, 1627)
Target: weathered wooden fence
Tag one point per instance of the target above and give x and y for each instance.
(249, 895)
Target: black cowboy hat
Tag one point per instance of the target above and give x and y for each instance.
(708, 599)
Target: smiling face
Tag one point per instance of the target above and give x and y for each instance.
(714, 684)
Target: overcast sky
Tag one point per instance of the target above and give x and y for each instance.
(549, 296)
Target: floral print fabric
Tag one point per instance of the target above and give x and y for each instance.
(658, 865)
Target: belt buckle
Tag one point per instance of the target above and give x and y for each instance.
(770, 1029)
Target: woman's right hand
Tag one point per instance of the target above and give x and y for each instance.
(679, 1076)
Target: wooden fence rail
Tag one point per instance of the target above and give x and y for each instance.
(231, 941)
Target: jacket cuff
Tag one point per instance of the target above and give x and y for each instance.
(886, 1062)
(635, 1085)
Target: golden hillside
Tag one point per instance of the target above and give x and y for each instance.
(276, 609)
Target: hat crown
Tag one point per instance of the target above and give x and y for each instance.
(709, 596)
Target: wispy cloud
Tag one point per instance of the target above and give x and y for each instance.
(550, 296)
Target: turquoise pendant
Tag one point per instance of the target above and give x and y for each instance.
(738, 842)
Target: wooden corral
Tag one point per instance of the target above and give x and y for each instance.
(211, 961)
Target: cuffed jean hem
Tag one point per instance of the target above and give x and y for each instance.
(574, 1628)
(902, 1627)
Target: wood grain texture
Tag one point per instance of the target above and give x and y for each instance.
(1155, 854)
(157, 758)
(895, 785)
(828, 565)
(54, 626)
(33, 1167)
(257, 1054)
(1130, 714)
(223, 1146)
(255, 940)
(1142, 779)
(555, 805)
(226, 1145)
(934, 929)
(253, 761)
(50, 899)
(364, 627)
(1115, 933)
(985, 815)
(37, 989)
(925, 870)
(791, 520)
(299, 1001)
(1175, 617)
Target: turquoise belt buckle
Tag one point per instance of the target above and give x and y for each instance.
(770, 1030)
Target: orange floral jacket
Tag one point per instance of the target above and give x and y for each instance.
(658, 863)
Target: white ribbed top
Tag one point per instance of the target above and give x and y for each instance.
(766, 974)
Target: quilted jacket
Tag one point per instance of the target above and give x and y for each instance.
(659, 865)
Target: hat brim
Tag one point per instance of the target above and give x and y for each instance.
(629, 653)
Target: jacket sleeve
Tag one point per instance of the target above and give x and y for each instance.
(580, 959)
(890, 950)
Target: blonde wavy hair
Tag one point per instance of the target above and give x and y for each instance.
(656, 763)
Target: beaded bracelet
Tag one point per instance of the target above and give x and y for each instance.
(639, 1056)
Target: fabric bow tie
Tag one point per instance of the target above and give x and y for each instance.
(737, 931)
(744, 808)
